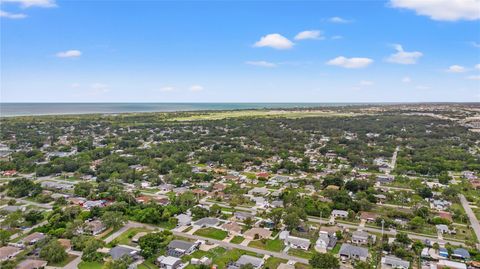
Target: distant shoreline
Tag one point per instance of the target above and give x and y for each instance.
(54, 109)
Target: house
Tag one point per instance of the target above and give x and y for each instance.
(440, 205)
(8, 252)
(443, 252)
(65, 243)
(445, 215)
(297, 242)
(383, 179)
(258, 191)
(339, 214)
(178, 248)
(325, 241)
(206, 222)
(260, 202)
(32, 238)
(137, 237)
(202, 261)
(351, 252)
(392, 262)
(442, 228)
(12, 208)
(183, 220)
(244, 260)
(257, 233)
(368, 216)
(360, 237)
(91, 204)
(461, 253)
(242, 216)
(94, 227)
(32, 264)
(232, 228)
(169, 262)
(122, 250)
(56, 185)
(166, 187)
(444, 264)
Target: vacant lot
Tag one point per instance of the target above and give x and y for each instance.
(212, 233)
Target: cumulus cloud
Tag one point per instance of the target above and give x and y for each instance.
(196, 88)
(456, 69)
(32, 3)
(350, 62)
(404, 57)
(261, 63)
(406, 80)
(309, 34)
(442, 10)
(477, 66)
(69, 54)
(276, 41)
(9, 15)
(366, 83)
(167, 89)
(474, 77)
(338, 20)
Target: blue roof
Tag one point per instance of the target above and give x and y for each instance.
(461, 252)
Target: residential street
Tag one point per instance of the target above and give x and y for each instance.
(473, 219)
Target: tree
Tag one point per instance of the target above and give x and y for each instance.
(53, 252)
(324, 261)
(13, 219)
(291, 220)
(416, 222)
(362, 265)
(4, 237)
(402, 238)
(121, 263)
(113, 219)
(151, 243)
(90, 247)
(34, 216)
(276, 216)
(83, 189)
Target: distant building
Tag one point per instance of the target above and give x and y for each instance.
(351, 252)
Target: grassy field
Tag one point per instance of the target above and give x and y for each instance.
(220, 115)
(211, 233)
(274, 262)
(237, 239)
(300, 253)
(271, 245)
(90, 265)
(126, 237)
(65, 262)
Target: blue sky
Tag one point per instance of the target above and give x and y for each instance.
(240, 51)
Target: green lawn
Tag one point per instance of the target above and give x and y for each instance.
(300, 253)
(302, 266)
(237, 239)
(65, 262)
(229, 256)
(274, 262)
(147, 265)
(126, 237)
(212, 233)
(90, 265)
(268, 244)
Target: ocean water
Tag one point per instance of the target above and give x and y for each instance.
(31, 109)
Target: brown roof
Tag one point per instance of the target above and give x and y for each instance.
(368, 215)
(232, 226)
(263, 233)
(66, 244)
(32, 264)
(7, 251)
(33, 237)
(445, 215)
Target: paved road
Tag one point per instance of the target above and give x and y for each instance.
(376, 230)
(45, 206)
(473, 219)
(394, 158)
(132, 224)
(26, 231)
(73, 264)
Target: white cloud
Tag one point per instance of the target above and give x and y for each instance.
(336, 37)
(75, 85)
(404, 57)
(350, 62)
(474, 77)
(366, 83)
(261, 63)
(32, 3)
(98, 88)
(196, 88)
(456, 69)
(338, 20)
(406, 80)
(276, 41)
(309, 34)
(9, 15)
(477, 66)
(475, 44)
(167, 89)
(422, 87)
(69, 54)
(442, 10)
